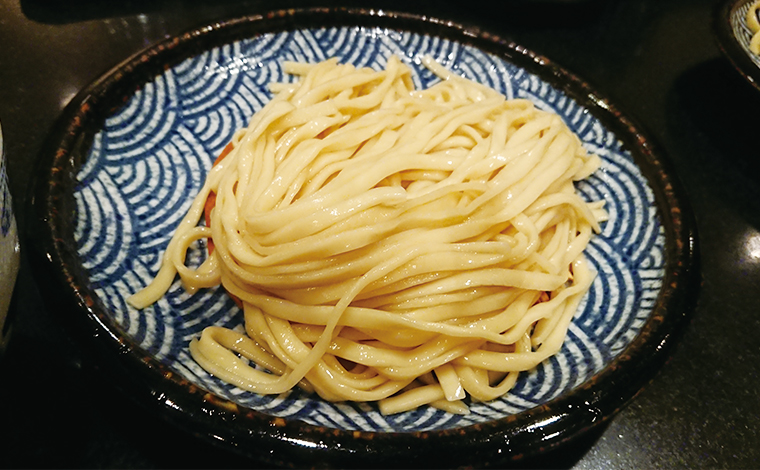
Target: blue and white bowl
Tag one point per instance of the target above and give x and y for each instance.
(133, 149)
(733, 36)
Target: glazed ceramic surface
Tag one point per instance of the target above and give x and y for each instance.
(9, 246)
(133, 149)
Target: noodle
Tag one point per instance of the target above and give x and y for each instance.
(388, 244)
(753, 23)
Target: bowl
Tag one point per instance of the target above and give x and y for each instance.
(131, 150)
(734, 35)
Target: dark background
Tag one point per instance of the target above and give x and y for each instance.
(657, 60)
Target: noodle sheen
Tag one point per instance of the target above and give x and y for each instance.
(753, 23)
(388, 244)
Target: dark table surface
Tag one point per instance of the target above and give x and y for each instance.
(658, 60)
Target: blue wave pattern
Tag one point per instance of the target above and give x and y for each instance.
(150, 158)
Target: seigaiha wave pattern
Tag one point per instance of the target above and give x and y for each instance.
(150, 157)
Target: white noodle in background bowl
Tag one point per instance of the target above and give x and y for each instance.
(132, 150)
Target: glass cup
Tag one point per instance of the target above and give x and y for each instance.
(9, 247)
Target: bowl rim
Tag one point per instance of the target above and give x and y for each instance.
(54, 260)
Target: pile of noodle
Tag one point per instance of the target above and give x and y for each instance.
(389, 244)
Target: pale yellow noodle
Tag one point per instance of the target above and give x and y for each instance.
(753, 23)
(388, 244)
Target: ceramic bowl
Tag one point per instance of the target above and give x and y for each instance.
(734, 35)
(132, 149)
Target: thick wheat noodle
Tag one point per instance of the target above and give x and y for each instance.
(753, 23)
(388, 244)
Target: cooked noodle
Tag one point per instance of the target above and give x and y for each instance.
(388, 244)
(753, 23)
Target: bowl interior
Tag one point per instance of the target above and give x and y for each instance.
(742, 33)
(149, 159)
